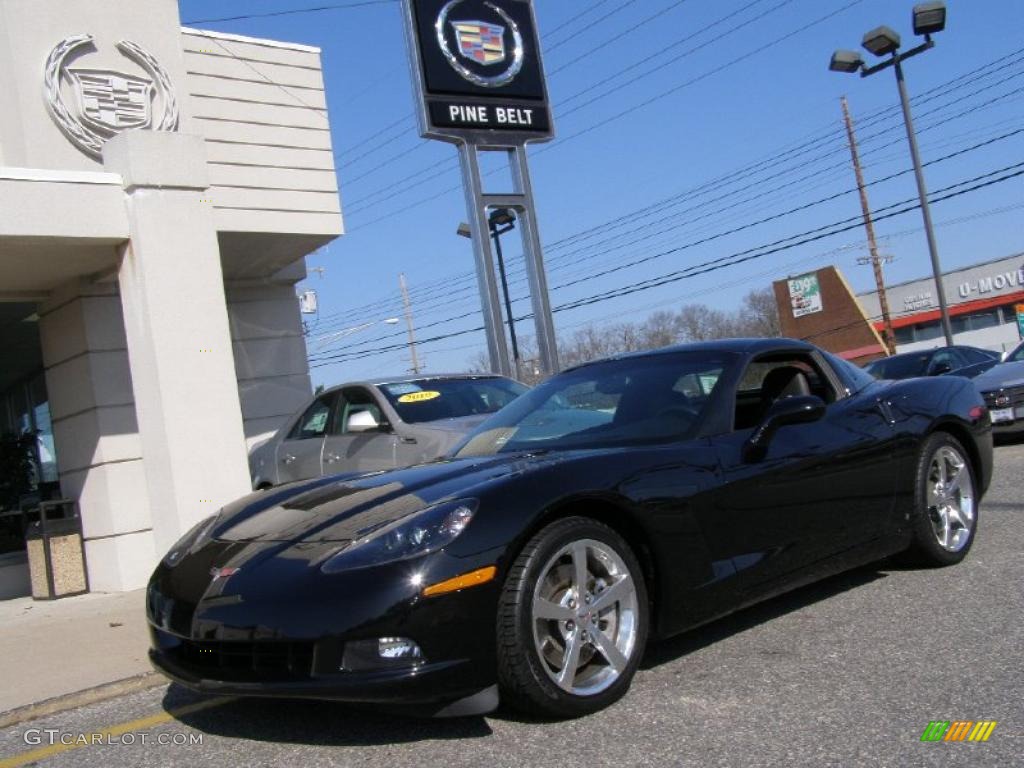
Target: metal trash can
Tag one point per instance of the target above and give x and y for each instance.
(56, 554)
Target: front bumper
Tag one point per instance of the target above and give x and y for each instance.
(280, 627)
(428, 684)
(1006, 407)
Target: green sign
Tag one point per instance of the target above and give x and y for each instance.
(1020, 320)
(805, 295)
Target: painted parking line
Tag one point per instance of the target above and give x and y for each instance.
(112, 731)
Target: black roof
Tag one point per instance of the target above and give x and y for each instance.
(750, 346)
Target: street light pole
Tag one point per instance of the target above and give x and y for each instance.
(929, 18)
(496, 237)
(922, 191)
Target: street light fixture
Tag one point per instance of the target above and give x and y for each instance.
(929, 18)
(500, 221)
(328, 338)
(883, 41)
(846, 61)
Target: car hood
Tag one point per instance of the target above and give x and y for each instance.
(461, 425)
(343, 508)
(1001, 376)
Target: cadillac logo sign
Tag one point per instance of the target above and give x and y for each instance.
(106, 102)
(482, 43)
(478, 70)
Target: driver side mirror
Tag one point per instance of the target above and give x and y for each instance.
(362, 421)
(804, 409)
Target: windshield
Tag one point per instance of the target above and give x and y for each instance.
(1017, 356)
(901, 366)
(620, 402)
(435, 399)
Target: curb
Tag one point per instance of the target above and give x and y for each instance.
(81, 698)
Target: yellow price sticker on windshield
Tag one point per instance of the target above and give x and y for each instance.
(418, 397)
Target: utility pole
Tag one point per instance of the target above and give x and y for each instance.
(408, 323)
(876, 261)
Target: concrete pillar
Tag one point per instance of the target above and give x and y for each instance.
(270, 351)
(176, 328)
(99, 454)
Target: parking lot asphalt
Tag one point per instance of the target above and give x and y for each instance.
(848, 672)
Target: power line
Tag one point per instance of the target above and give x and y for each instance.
(771, 161)
(446, 284)
(618, 314)
(618, 8)
(803, 238)
(317, 9)
(600, 47)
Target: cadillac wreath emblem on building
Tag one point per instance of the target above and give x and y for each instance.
(107, 102)
(481, 43)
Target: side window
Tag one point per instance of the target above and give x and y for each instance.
(355, 400)
(973, 355)
(942, 361)
(313, 423)
(774, 377)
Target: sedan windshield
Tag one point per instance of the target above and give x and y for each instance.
(1017, 356)
(632, 401)
(901, 366)
(436, 399)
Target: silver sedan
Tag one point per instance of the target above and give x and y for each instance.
(369, 426)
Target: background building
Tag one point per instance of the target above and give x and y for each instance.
(820, 307)
(159, 188)
(981, 306)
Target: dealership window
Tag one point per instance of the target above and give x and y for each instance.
(927, 331)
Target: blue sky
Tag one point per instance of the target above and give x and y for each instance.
(721, 112)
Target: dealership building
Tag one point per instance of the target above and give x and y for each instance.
(160, 188)
(982, 302)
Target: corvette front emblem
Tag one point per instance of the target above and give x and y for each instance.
(222, 573)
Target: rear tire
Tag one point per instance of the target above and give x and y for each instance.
(572, 621)
(944, 522)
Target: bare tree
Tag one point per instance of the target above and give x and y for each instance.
(757, 315)
(760, 313)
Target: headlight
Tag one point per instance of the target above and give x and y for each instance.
(425, 531)
(194, 539)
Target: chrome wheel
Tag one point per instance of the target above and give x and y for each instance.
(950, 499)
(584, 617)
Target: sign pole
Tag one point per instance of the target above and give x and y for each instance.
(478, 79)
(476, 209)
(535, 273)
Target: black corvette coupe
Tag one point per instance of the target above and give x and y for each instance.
(622, 500)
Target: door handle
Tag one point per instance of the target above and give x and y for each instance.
(288, 459)
(407, 440)
(885, 407)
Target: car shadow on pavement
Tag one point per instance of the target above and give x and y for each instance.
(325, 723)
(664, 651)
(320, 723)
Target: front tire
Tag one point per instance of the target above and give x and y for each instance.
(945, 518)
(572, 620)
